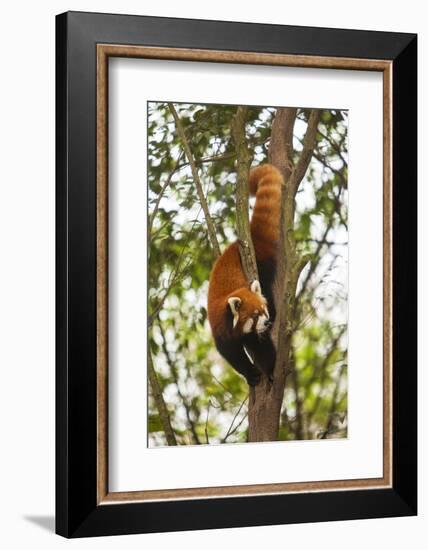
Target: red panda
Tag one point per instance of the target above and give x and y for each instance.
(240, 315)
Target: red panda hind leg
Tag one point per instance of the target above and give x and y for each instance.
(262, 351)
(234, 353)
(267, 273)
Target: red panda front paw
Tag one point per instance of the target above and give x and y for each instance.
(253, 378)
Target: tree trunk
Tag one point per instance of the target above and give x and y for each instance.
(266, 399)
(243, 163)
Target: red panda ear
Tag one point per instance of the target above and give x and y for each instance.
(256, 288)
(235, 304)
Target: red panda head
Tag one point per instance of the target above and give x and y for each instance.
(249, 310)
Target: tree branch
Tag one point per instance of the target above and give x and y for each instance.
(232, 429)
(321, 242)
(246, 248)
(160, 403)
(322, 369)
(161, 192)
(175, 277)
(207, 439)
(322, 160)
(299, 431)
(281, 143)
(329, 429)
(215, 158)
(309, 143)
(212, 235)
(301, 264)
(174, 373)
(334, 146)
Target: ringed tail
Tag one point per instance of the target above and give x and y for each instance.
(265, 182)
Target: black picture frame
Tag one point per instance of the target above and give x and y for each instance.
(77, 511)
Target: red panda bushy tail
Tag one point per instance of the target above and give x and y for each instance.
(265, 182)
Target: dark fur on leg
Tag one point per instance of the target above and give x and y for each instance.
(267, 270)
(262, 350)
(234, 354)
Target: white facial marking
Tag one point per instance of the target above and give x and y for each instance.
(248, 325)
(260, 325)
(234, 304)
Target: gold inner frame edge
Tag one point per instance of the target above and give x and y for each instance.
(104, 51)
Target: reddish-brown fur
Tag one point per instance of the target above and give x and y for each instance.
(227, 277)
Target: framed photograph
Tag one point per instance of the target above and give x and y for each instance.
(236, 274)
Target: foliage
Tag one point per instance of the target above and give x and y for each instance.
(206, 399)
